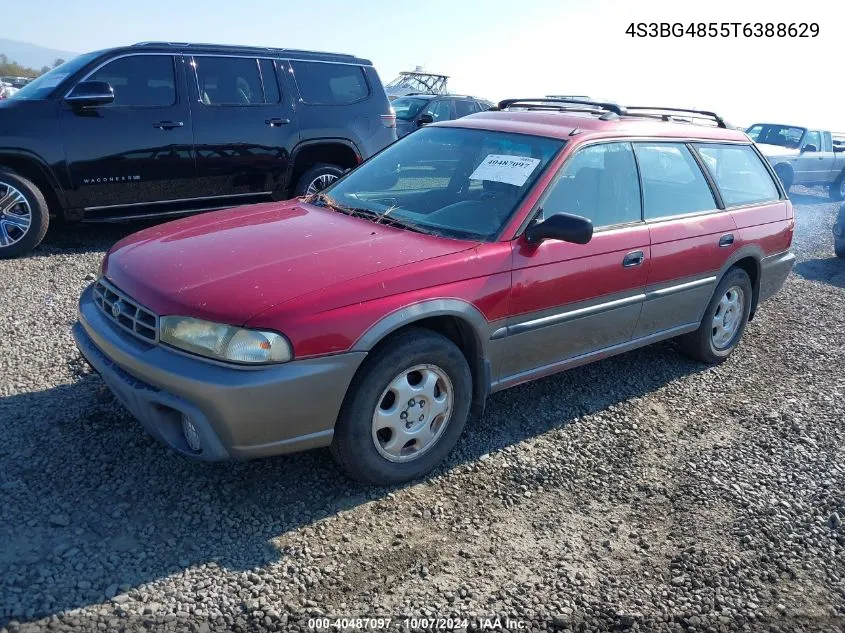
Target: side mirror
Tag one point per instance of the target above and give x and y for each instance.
(810, 148)
(91, 93)
(425, 119)
(561, 226)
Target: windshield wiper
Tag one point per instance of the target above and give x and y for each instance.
(369, 214)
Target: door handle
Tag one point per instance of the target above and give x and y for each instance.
(276, 122)
(168, 125)
(726, 240)
(633, 259)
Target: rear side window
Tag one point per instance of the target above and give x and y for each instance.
(323, 83)
(464, 107)
(599, 182)
(228, 81)
(672, 181)
(739, 174)
(439, 110)
(140, 80)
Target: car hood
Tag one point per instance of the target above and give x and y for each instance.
(776, 150)
(228, 266)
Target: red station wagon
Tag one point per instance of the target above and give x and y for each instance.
(471, 256)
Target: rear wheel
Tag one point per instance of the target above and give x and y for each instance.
(837, 189)
(785, 175)
(405, 410)
(24, 215)
(317, 178)
(724, 320)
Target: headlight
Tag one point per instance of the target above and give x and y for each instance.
(224, 342)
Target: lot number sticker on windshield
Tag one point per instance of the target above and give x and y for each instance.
(513, 170)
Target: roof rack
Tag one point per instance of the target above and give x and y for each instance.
(554, 103)
(237, 46)
(667, 114)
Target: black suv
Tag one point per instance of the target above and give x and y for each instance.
(164, 129)
(418, 109)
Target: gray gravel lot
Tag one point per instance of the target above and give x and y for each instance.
(645, 492)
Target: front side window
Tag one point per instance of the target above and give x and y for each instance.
(439, 110)
(672, 181)
(739, 173)
(464, 107)
(453, 182)
(814, 139)
(228, 81)
(140, 80)
(600, 183)
(407, 108)
(323, 83)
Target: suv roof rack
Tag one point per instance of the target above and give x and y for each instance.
(611, 111)
(238, 47)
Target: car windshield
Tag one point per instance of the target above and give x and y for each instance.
(407, 108)
(453, 182)
(782, 135)
(42, 86)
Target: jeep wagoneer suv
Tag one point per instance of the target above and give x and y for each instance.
(377, 315)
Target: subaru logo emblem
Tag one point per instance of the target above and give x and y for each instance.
(116, 308)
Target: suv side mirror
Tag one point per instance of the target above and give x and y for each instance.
(561, 226)
(809, 147)
(91, 93)
(425, 119)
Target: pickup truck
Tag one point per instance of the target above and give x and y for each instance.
(802, 156)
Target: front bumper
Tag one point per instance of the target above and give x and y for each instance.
(240, 413)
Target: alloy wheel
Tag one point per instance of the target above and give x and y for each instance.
(728, 317)
(412, 413)
(15, 215)
(319, 183)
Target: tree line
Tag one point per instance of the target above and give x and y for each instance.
(14, 69)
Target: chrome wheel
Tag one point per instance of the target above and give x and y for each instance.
(412, 413)
(728, 317)
(320, 183)
(15, 215)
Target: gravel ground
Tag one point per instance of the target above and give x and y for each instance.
(644, 492)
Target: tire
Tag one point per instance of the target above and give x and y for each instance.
(705, 344)
(839, 248)
(836, 191)
(19, 197)
(417, 354)
(785, 175)
(320, 173)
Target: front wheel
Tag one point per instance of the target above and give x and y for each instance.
(724, 320)
(405, 410)
(837, 189)
(24, 215)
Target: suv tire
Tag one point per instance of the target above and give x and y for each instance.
(20, 199)
(785, 175)
(417, 382)
(837, 189)
(724, 320)
(317, 178)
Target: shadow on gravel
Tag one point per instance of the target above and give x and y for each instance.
(830, 270)
(93, 506)
(810, 196)
(87, 238)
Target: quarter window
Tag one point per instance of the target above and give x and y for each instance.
(673, 184)
(140, 80)
(228, 80)
(330, 84)
(600, 183)
(739, 174)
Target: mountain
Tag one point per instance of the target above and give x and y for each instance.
(31, 55)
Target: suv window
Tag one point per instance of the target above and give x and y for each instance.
(140, 80)
(228, 80)
(323, 83)
(813, 138)
(739, 173)
(599, 182)
(439, 110)
(673, 183)
(464, 107)
(268, 79)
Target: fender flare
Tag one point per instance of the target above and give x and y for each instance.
(42, 166)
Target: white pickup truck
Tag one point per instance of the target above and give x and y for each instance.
(801, 156)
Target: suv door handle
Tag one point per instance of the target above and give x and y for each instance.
(277, 122)
(633, 259)
(168, 125)
(726, 240)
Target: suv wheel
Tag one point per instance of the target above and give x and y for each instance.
(837, 189)
(405, 410)
(317, 178)
(24, 216)
(724, 320)
(785, 175)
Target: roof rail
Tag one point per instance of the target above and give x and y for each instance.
(240, 47)
(561, 104)
(668, 114)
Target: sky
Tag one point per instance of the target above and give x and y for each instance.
(506, 48)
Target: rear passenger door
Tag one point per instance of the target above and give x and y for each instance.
(571, 300)
(243, 126)
(691, 237)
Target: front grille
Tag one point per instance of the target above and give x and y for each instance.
(125, 312)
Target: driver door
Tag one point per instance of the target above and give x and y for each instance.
(809, 164)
